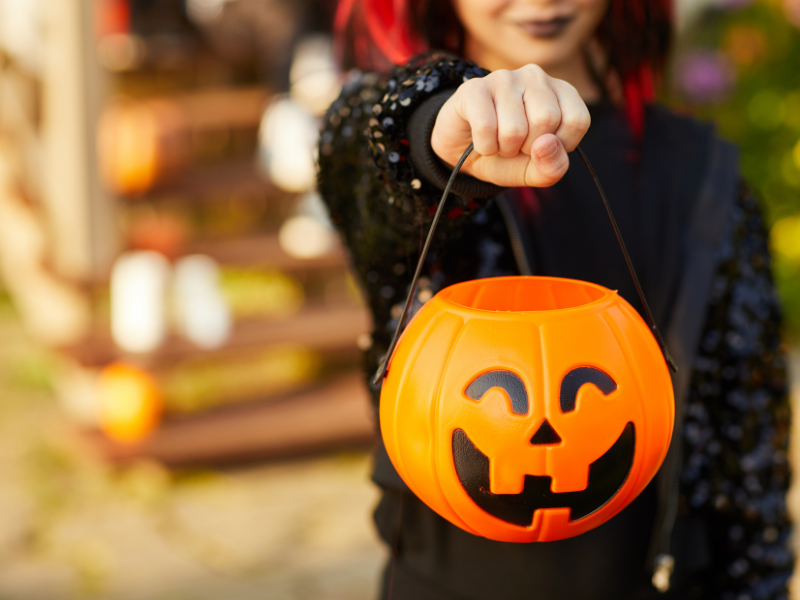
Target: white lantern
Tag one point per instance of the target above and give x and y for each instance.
(138, 295)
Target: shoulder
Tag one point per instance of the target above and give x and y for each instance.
(690, 140)
(693, 165)
(346, 125)
(364, 86)
(686, 141)
(360, 92)
(748, 239)
(677, 123)
(405, 85)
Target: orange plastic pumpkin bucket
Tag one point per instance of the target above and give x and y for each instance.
(526, 409)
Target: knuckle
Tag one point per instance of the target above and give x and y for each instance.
(471, 86)
(502, 78)
(532, 69)
(546, 120)
(501, 75)
(578, 123)
(484, 130)
(514, 133)
(485, 147)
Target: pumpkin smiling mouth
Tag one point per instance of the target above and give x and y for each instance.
(607, 475)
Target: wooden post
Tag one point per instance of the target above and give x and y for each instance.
(79, 212)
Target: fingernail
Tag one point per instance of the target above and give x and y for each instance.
(549, 150)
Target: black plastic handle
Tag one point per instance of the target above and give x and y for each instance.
(381, 372)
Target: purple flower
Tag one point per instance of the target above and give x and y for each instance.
(705, 76)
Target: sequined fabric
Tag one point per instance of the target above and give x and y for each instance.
(736, 427)
(382, 206)
(735, 473)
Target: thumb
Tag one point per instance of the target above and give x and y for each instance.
(549, 161)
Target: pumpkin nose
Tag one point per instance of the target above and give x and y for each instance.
(545, 435)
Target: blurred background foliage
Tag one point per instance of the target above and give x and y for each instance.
(737, 65)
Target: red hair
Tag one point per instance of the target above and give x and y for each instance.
(374, 34)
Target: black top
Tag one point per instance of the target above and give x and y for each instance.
(381, 182)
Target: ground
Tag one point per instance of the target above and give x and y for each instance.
(74, 528)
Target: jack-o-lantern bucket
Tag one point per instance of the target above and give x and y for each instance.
(526, 409)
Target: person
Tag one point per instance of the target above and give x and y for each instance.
(526, 81)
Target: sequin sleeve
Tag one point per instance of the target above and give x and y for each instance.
(406, 91)
(367, 177)
(379, 203)
(736, 428)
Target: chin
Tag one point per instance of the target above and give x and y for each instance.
(519, 49)
(522, 49)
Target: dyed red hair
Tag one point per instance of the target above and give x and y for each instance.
(374, 34)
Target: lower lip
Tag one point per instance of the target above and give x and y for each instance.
(545, 29)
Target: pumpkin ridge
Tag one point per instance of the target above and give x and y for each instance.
(435, 429)
(627, 351)
(428, 329)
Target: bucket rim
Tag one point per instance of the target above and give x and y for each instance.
(607, 295)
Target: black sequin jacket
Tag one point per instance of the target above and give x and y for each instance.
(734, 475)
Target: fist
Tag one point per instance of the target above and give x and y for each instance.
(522, 123)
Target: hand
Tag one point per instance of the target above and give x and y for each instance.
(522, 123)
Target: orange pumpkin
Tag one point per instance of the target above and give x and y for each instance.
(527, 409)
(129, 402)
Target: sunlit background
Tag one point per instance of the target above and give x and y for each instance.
(181, 410)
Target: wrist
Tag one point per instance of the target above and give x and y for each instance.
(428, 163)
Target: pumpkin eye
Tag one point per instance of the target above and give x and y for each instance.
(505, 380)
(576, 378)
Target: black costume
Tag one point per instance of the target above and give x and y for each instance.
(698, 243)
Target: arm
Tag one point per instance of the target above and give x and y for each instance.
(378, 199)
(387, 142)
(736, 429)
(368, 176)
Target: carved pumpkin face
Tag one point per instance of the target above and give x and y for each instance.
(527, 408)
